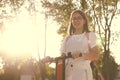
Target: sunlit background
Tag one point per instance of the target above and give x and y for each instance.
(24, 36)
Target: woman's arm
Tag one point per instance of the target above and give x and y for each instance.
(93, 54)
(49, 59)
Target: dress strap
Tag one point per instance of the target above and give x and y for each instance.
(88, 40)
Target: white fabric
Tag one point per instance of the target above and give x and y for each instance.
(80, 69)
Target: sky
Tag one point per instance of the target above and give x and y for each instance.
(24, 36)
(115, 47)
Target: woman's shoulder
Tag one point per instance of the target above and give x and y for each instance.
(67, 37)
(91, 33)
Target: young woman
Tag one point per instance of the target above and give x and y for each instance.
(81, 43)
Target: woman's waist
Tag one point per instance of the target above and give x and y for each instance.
(79, 63)
(85, 50)
(79, 60)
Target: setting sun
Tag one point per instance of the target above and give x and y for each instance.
(20, 36)
(25, 36)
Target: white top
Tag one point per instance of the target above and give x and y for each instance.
(78, 43)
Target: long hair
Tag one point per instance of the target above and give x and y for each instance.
(85, 26)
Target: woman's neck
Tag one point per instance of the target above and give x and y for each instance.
(78, 31)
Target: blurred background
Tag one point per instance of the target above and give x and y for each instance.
(30, 30)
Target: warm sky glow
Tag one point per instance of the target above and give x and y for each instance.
(24, 36)
(19, 36)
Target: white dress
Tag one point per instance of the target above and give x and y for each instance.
(79, 68)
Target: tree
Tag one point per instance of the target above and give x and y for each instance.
(11, 70)
(101, 12)
(60, 11)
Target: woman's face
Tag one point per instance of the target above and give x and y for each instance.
(77, 21)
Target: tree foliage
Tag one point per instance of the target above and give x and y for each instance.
(60, 11)
(103, 15)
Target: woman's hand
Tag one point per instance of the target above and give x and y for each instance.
(47, 59)
(92, 55)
